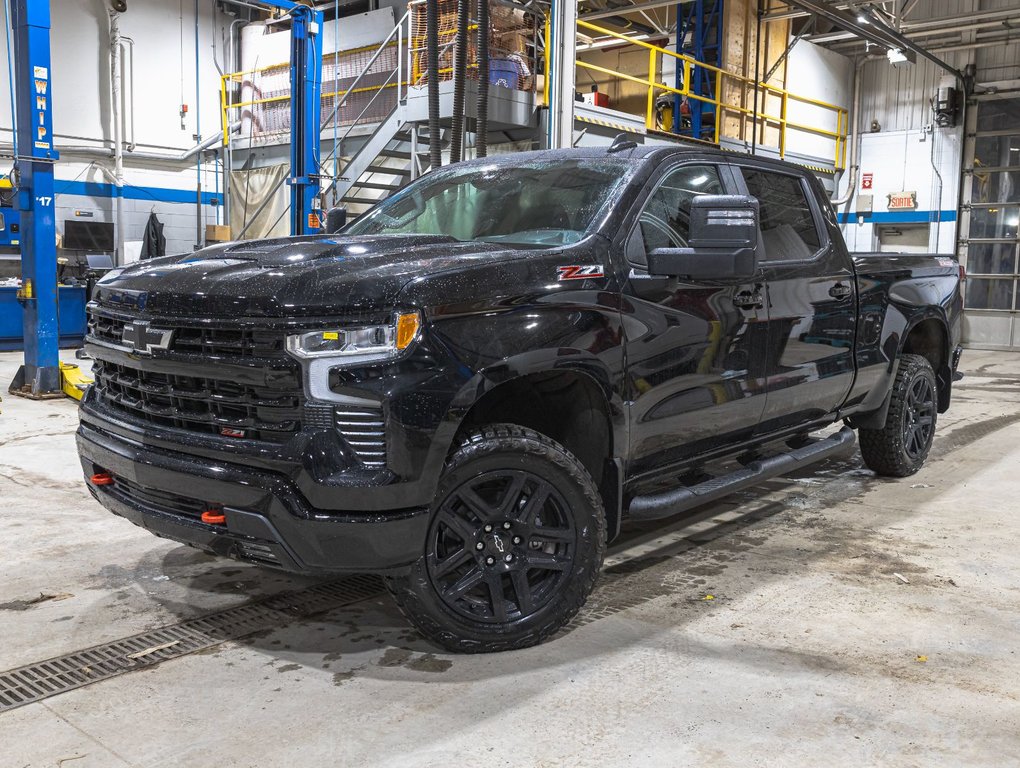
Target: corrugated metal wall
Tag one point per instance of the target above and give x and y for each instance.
(1000, 62)
(898, 97)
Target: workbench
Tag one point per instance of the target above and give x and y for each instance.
(70, 317)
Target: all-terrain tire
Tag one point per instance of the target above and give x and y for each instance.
(511, 501)
(901, 446)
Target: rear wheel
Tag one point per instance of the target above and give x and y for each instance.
(516, 541)
(901, 446)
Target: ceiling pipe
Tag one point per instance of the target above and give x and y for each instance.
(116, 48)
(930, 27)
(649, 6)
(873, 29)
(183, 157)
(783, 15)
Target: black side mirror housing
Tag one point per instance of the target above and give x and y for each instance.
(336, 219)
(723, 243)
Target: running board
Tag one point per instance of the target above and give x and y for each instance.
(667, 503)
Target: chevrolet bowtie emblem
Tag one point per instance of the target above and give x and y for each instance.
(142, 338)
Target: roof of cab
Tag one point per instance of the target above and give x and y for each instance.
(638, 153)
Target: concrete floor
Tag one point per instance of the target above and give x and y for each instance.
(812, 651)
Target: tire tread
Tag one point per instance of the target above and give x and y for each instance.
(510, 438)
(883, 449)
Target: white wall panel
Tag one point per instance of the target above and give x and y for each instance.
(164, 74)
(816, 73)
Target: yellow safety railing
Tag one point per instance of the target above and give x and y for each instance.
(837, 133)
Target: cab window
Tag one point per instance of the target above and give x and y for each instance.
(788, 228)
(665, 221)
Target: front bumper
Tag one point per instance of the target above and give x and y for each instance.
(267, 520)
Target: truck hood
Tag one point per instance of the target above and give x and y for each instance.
(290, 277)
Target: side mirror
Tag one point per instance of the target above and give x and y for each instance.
(336, 219)
(723, 241)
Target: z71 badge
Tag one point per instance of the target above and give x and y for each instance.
(579, 271)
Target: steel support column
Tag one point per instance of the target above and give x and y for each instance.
(40, 375)
(562, 71)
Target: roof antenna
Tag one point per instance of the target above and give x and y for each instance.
(622, 142)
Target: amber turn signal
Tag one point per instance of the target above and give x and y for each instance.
(407, 328)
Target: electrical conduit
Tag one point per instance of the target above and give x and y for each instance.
(482, 105)
(459, 78)
(432, 64)
(855, 138)
(118, 134)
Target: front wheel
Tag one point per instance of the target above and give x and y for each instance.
(900, 447)
(515, 543)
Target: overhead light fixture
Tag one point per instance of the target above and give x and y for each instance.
(611, 42)
(862, 19)
(896, 56)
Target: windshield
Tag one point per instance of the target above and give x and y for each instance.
(538, 203)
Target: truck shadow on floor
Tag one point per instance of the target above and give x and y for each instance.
(699, 556)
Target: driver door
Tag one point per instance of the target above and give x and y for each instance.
(695, 350)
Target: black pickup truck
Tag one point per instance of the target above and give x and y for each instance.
(471, 387)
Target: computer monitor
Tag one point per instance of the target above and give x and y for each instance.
(89, 236)
(99, 261)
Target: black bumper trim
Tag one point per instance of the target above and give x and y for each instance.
(264, 512)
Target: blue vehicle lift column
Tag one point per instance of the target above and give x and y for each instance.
(305, 119)
(40, 375)
(305, 115)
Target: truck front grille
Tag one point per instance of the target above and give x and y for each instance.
(196, 339)
(220, 405)
(199, 404)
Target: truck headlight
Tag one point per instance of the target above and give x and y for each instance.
(365, 344)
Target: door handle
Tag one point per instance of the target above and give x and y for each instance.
(748, 300)
(840, 291)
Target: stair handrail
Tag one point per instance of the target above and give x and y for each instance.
(398, 30)
(333, 153)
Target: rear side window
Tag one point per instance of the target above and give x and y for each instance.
(788, 227)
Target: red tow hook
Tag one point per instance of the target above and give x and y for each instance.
(101, 478)
(214, 517)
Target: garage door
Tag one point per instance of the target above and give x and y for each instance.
(989, 244)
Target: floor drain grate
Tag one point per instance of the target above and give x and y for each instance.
(41, 680)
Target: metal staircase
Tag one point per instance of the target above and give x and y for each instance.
(373, 131)
(395, 154)
(364, 167)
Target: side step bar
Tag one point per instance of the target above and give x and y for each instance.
(668, 503)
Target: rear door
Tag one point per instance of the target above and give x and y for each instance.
(812, 301)
(695, 362)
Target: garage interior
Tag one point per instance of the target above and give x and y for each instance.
(826, 617)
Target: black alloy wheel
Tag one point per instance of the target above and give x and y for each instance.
(501, 546)
(901, 446)
(919, 418)
(514, 546)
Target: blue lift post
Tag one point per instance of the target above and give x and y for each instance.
(305, 115)
(39, 377)
(305, 119)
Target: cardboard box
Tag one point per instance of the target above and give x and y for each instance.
(217, 233)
